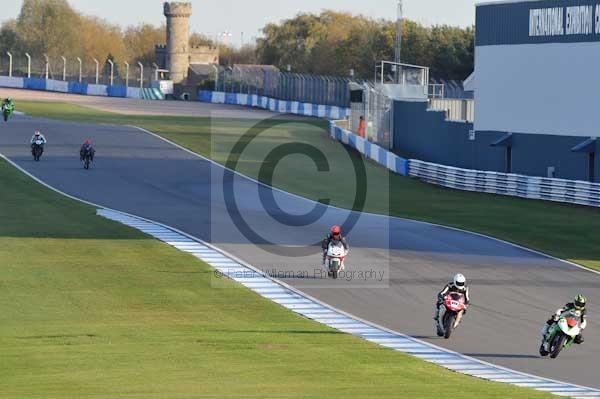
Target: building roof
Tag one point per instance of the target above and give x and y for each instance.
(203, 69)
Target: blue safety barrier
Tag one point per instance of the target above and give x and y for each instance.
(370, 150)
(274, 104)
(116, 91)
(34, 84)
(75, 87)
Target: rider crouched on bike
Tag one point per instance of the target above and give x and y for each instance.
(8, 104)
(38, 136)
(87, 148)
(335, 234)
(579, 305)
(458, 284)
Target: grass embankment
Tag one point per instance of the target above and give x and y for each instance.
(568, 232)
(92, 309)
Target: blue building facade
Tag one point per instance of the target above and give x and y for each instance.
(537, 95)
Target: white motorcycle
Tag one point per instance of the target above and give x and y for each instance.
(334, 259)
(562, 334)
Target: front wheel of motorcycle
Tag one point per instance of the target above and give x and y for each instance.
(558, 343)
(449, 320)
(543, 351)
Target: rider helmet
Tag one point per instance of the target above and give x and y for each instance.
(580, 302)
(336, 232)
(459, 281)
(37, 133)
(87, 142)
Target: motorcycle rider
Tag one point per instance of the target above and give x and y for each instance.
(86, 148)
(38, 136)
(335, 235)
(458, 284)
(8, 104)
(579, 304)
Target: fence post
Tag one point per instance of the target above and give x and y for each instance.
(126, 74)
(112, 71)
(47, 65)
(9, 63)
(64, 68)
(28, 65)
(80, 69)
(141, 75)
(97, 70)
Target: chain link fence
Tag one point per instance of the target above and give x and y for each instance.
(268, 81)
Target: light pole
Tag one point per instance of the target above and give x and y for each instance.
(47, 65)
(9, 63)
(64, 68)
(126, 74)
(28, 65)
(398, 50)
(112, 71)
(80, 69)
(97, 70)
(141, 74)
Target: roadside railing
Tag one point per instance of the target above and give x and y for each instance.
(532, 187)
(529, 187)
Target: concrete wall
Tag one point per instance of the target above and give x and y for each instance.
(427, 136)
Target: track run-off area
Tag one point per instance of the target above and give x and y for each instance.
(395, 267)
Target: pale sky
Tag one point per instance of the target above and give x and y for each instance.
(249, 16)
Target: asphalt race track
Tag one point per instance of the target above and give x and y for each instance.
(404, 263)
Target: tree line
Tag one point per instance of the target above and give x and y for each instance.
(329, 43)
(334, 42)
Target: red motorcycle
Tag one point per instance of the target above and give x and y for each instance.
(451, 314)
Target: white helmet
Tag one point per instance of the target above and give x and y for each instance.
(459, 281)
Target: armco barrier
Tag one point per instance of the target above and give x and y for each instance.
(531, 187)
(557, 190)
(372, 151)
(80, 88)
(275, 105)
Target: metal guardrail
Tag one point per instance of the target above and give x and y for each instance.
(531, 187)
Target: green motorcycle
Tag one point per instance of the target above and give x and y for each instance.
(7, 111)
(562, 334)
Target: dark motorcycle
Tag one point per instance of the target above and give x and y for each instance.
(37, 149)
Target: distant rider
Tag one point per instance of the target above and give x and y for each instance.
(8, 104)
(335, 235)
(579, 305)
(38, 136)
(458, 284)
(86, 148)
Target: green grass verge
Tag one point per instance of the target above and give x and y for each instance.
(92, 309)
(568, 232)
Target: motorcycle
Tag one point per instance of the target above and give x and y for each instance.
(450, 315)
(334, 259)
(561, 334)
(87, 159)
(7, 111)
(37, 149)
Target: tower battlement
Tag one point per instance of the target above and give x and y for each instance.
(178, 9)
